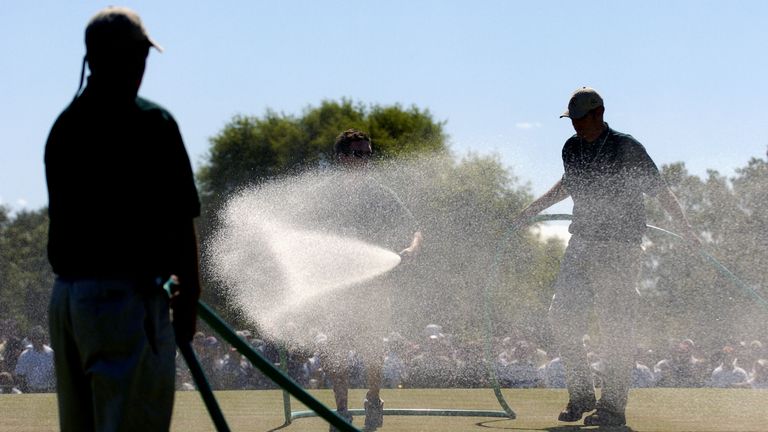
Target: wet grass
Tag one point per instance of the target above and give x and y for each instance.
(667, 410)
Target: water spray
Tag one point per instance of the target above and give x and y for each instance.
(265, 366)
(720, 268)
(318, 409)
(566, 217)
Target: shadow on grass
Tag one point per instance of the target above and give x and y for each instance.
(282, 426)
(494, 424)
(566, 428)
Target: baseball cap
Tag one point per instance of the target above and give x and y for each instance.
(321, 338)
(686, 345)
(116, 26)
(582, 101)
(433, 331)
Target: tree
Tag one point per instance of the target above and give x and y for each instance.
(251, 149)
(685, 294)
(25, 276)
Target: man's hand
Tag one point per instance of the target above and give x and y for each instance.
(415, 247)
(184, 305)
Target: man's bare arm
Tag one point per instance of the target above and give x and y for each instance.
(556, 194)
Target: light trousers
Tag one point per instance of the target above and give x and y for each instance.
(597, 277)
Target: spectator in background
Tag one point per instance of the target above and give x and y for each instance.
(34, 370)
(553, 373)
(295, 358)
(433, 366)
(184, 380)
(234, 371)
(12, 345)
(393, 369)
(682, 369)
(358, 368)
(759, 378)
(210, 355)
(521, 370)
(313, 368)
(6, 384)
(471, 367)
(642, 376)
(727, 374)
(507, 347)
(748, 353)
(259, 380)
(509, 344)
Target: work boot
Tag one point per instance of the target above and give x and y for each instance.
(574, 410)
(374, 415)
(605, 417)
(343, 414)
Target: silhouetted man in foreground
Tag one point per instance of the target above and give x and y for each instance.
(606, 174)
(122, 202)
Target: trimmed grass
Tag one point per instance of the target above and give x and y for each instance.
(663, 410)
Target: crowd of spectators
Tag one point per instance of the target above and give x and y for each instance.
(431, 360)
(26, 363)
(435, 361)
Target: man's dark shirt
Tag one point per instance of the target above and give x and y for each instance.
(354, 204)
(607, 179)
(120, 188)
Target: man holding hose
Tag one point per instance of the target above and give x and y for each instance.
(122, 200)
(606, 175)
(371, 212)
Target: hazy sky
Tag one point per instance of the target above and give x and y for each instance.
(686, 78)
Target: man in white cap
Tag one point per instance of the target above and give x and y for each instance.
(606, 175)
(122, 200)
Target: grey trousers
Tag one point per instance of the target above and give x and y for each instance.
(114, 354)
(597, 277)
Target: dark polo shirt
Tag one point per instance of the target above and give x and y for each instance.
(354, 204)
(607, 179)
(120, 188)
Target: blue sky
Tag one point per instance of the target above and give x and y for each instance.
(684, 77)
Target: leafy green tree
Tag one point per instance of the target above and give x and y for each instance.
(25, 275)
(685, 295)
(251, 149)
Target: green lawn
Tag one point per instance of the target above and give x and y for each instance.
(667, 410)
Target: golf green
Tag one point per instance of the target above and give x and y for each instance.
(663, 410)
